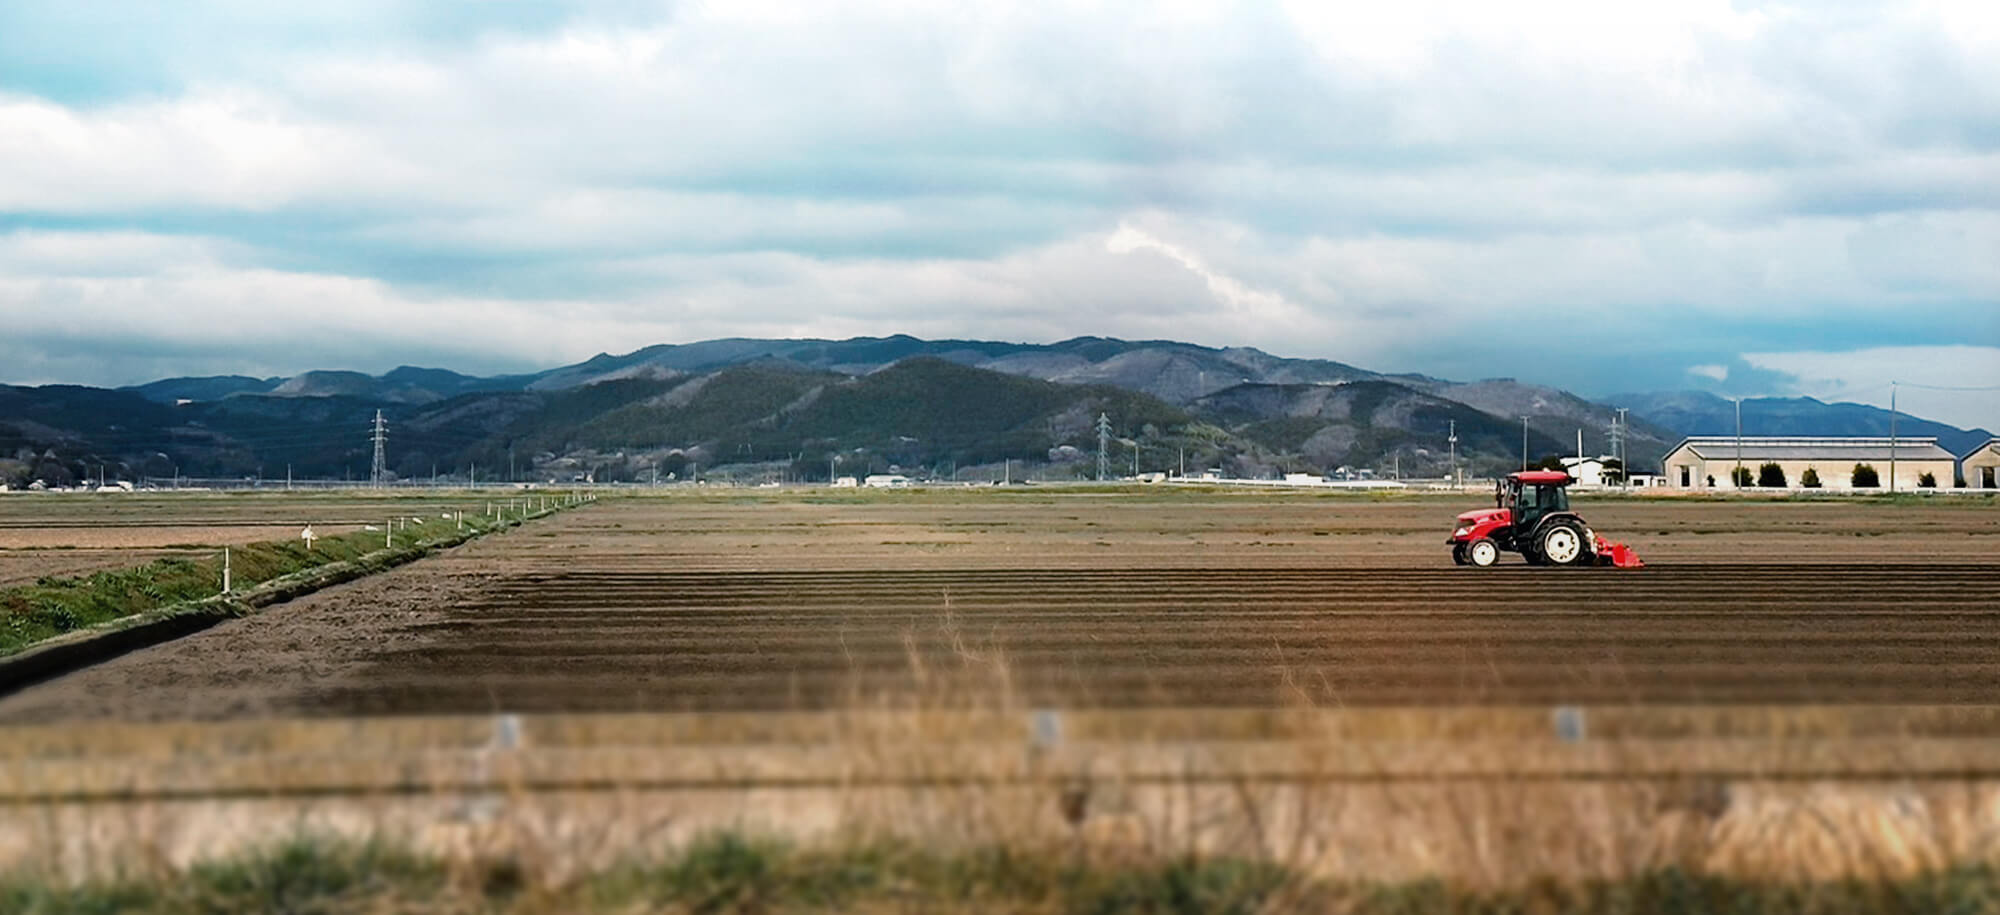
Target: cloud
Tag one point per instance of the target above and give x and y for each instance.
(1587, 194)
(1241, 301)
(1711, 372)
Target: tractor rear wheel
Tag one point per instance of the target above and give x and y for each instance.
(1562, 544)
(1482, 552)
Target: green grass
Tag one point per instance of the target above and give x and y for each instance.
(734, 874)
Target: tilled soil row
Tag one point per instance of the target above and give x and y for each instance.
(1751, 633)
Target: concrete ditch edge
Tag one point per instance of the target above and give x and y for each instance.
(74, 651)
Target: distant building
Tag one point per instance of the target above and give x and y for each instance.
(886, 480)
(1586, 471)
(1645, 481)
(1706, 462)
(846, 483)
(1981, 465)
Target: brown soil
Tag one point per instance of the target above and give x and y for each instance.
(1232, 599)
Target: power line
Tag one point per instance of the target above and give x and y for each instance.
(1942, 387)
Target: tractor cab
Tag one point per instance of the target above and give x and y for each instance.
(1532, 495)
(1531, 516)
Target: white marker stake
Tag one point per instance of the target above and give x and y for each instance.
(389, 534)
(225, 570)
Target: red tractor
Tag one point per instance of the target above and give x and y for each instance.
(1531, 517)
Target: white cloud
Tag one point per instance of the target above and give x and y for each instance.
(1711, 372)
(1365, 182)
(233, 150)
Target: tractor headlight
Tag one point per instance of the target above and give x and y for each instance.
(1462, 532)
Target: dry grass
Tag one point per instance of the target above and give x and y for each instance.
(1487, 801)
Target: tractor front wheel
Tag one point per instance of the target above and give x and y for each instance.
(1562, 544)
(1482, 552)
(1458, 554)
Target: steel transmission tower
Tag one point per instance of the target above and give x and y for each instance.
(1103, 446)
(1618, 433)
(379, 469)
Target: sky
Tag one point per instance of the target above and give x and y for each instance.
(1743, 197)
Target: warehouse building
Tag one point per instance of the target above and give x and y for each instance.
(1705, 462)
(1982, 465)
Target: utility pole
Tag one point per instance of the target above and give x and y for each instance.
(380, 465)
(1135, 458)
(1524, 443)
(288, 478)
(1103, 446)
(1452, 441)
(1892, 436)
(511, 477)
(1736, 476)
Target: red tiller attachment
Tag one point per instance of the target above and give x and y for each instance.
(1613, 553)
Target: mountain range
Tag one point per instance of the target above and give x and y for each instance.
(808, 409)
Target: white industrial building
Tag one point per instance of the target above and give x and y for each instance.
(1982, 465)
(1705, 462)
(1586, 471)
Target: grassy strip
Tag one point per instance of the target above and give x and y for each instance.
(53, 607)
(731, 874)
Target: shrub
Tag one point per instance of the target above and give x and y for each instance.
(1810, 479)
(1740, 476)
(1771, 475)
(1865, 477)
(1927, 481)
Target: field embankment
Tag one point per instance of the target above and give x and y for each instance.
(60, 623)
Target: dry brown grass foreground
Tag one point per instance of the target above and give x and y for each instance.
(1485, 799)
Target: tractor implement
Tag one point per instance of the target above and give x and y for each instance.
(1531, 516)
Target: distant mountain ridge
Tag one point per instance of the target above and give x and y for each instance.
(1689, 413)
(796, 408)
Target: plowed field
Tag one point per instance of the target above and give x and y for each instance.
(1119, 601)
(1209, 637)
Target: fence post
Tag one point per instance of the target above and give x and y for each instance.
(225, 570)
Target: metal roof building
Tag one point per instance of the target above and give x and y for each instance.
(1706, 462)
